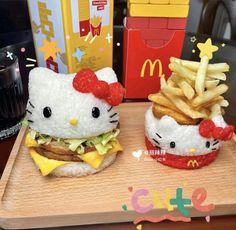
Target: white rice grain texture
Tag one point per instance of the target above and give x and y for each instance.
(49, 89)
(186, 137)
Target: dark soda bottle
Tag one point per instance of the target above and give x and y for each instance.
(12, 106)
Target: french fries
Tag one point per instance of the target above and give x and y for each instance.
(185, 108)
(215, 110)
(182, 71)
(211, 84)
(219, 76)
(171, 90)
(163, 81)
(185, 86)
(193, 65)
(224, 103)
(160, 99)
(209, 95)
(201, 75)
(208, 104)
(192, 92)
(171, 83)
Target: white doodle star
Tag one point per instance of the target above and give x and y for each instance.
(78, 54)
(193, 39)
(9, 55)
(109, 37)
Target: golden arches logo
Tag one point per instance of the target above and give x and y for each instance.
(193, 163)
(152, 66)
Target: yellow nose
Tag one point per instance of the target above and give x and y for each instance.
(73, 121)
(192, 150)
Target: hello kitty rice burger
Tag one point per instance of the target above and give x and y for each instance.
(73, 121)
(184, 126)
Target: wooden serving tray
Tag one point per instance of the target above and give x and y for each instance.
(29, 200)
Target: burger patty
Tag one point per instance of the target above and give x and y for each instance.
(60, 151)
(55, 156)
(57, 147)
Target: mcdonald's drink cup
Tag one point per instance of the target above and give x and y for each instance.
(72, 34)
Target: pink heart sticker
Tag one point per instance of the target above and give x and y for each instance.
(208, 219)
(130, 189)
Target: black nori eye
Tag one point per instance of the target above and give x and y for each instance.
(95, 112)
(47, 112)
(172, 144)
(208, 144)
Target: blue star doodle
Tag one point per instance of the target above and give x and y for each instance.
(78, 54)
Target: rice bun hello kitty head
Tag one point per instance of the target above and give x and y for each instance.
(73, 105)
(185, 140)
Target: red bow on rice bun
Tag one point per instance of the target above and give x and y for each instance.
(86, 81)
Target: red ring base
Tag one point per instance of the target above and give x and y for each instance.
(181, 162)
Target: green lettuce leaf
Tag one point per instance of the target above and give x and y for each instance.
(74, 143)
(33, 134)
(102, 143)
(111, 136)
(103, 149)
(24, 123)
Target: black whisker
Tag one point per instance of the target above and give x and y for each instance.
(215, 143)
(156, 141)
(110, 109)
(28, 111)
(158, 135)
(30, 121)
(113, 115)
(114, 121)
(213, 149)
(31, 105)
(215, 140)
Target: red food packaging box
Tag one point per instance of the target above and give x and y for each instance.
(143, 65)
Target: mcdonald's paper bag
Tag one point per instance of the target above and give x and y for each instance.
(143, 64)
(72, 34)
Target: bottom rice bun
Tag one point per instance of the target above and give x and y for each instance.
(185, 146)
(73, 121)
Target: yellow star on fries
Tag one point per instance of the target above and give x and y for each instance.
(207, 49)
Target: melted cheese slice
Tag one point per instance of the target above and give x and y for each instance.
(95, 160)
(46, 166)
(29, 142)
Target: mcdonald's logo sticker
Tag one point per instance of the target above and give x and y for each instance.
(97, 31)
(193, 163)
(152, 66)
